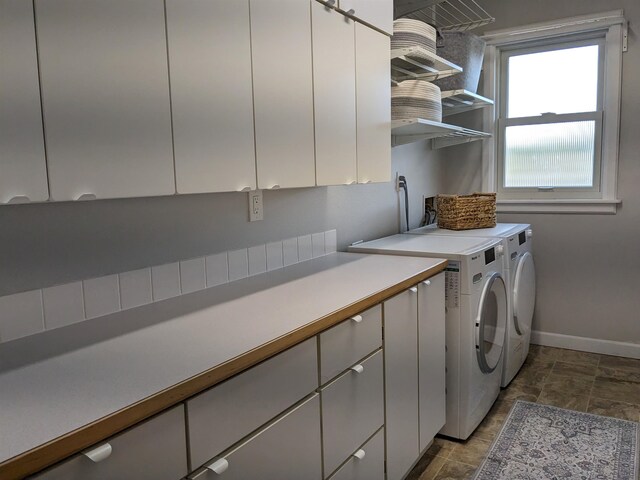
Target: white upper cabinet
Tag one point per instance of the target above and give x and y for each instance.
(105, 90)
(373, 93)
(211, 94)
(334, 86)
(23, 169)
(377, 13)
(283, 93)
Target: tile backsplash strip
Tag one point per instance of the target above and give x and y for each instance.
(32, 312)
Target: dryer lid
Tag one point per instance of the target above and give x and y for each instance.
(524, 293)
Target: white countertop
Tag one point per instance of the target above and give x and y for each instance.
(58, 381)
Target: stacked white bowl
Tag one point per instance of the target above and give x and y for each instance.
(416, 99)
(408, 32)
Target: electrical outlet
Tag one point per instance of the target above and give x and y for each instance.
(256, 208)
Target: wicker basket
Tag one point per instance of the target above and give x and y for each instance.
(464, 212)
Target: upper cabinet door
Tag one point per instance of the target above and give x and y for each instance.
(211, 94)
(373, 92)
(23, 169)
(105, 89)
(283, 93)
(334, 85)
(377, 13)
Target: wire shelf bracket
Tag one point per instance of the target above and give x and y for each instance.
(446, 15)
(459, 101)
(417, 63)
(441, 134)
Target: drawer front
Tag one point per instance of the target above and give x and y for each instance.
(348, 342)
(352, 410)
(153, 450)
(225, 414)
(287, 449)
(369, 467)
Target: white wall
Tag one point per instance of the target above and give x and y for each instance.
(47, 244)
(588, 266)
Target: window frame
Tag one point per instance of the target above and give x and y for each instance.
(602, 198)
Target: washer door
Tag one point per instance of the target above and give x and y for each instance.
(524, 294)
(491, 323)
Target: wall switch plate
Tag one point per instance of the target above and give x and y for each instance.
(256, 208)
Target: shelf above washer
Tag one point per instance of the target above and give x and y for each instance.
(417, 63)
(458, 101)
(445, 15)
(441, 134)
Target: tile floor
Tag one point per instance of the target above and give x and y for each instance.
(586, 382)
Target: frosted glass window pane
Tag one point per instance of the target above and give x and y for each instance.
(550, 155)
(559, 81)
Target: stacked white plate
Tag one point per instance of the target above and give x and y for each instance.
(408, 32)
(416, 99)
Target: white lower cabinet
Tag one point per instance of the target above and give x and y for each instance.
(401, 382)
(348, 342)
(366, 463)
(431, 345)
(228, 412)
(352, 410)
(288, 448)
(153, 450)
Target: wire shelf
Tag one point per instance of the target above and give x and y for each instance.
(417, 63)
(441, 134)
(446, 15)
(458, 101)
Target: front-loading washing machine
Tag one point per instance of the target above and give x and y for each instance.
(520, 276)
(476, 317)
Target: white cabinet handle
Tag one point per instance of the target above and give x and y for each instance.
(275, 187)
(219, 466)
(427, 282)
(359, 454)
(86, 196)
(351, 12)
(357, 318)
(357, 368)
(353, 182)
(99, 453)
(19, 199)
(245, 189)
(414, 289)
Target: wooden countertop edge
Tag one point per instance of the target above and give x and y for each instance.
(49, 453)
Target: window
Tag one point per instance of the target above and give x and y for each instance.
(557, 91)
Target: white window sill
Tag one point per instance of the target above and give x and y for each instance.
(596, 206)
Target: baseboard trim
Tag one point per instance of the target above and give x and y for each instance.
(584, 344)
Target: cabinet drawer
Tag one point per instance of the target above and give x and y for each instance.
(287, 449)
(352, 410)
(225, 414)
(153, 450)
(369, 467)
(348, 342)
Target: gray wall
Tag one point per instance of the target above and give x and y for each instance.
(46, 244)
(588, 266)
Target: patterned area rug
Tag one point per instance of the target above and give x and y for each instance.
(543, 442)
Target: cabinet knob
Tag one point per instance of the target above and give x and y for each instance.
(245, 189)
(19, 199)
(414, 289)
(351, 12)
(274, 187)
(353, 182)
(357, 368)
(357, 318)
(99, 453)
(331, 3)
(359, 454)
(86, 196)
(219, 466)
(427, 282)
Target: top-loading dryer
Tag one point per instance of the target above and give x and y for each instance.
(520, 277)
(476, 317)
